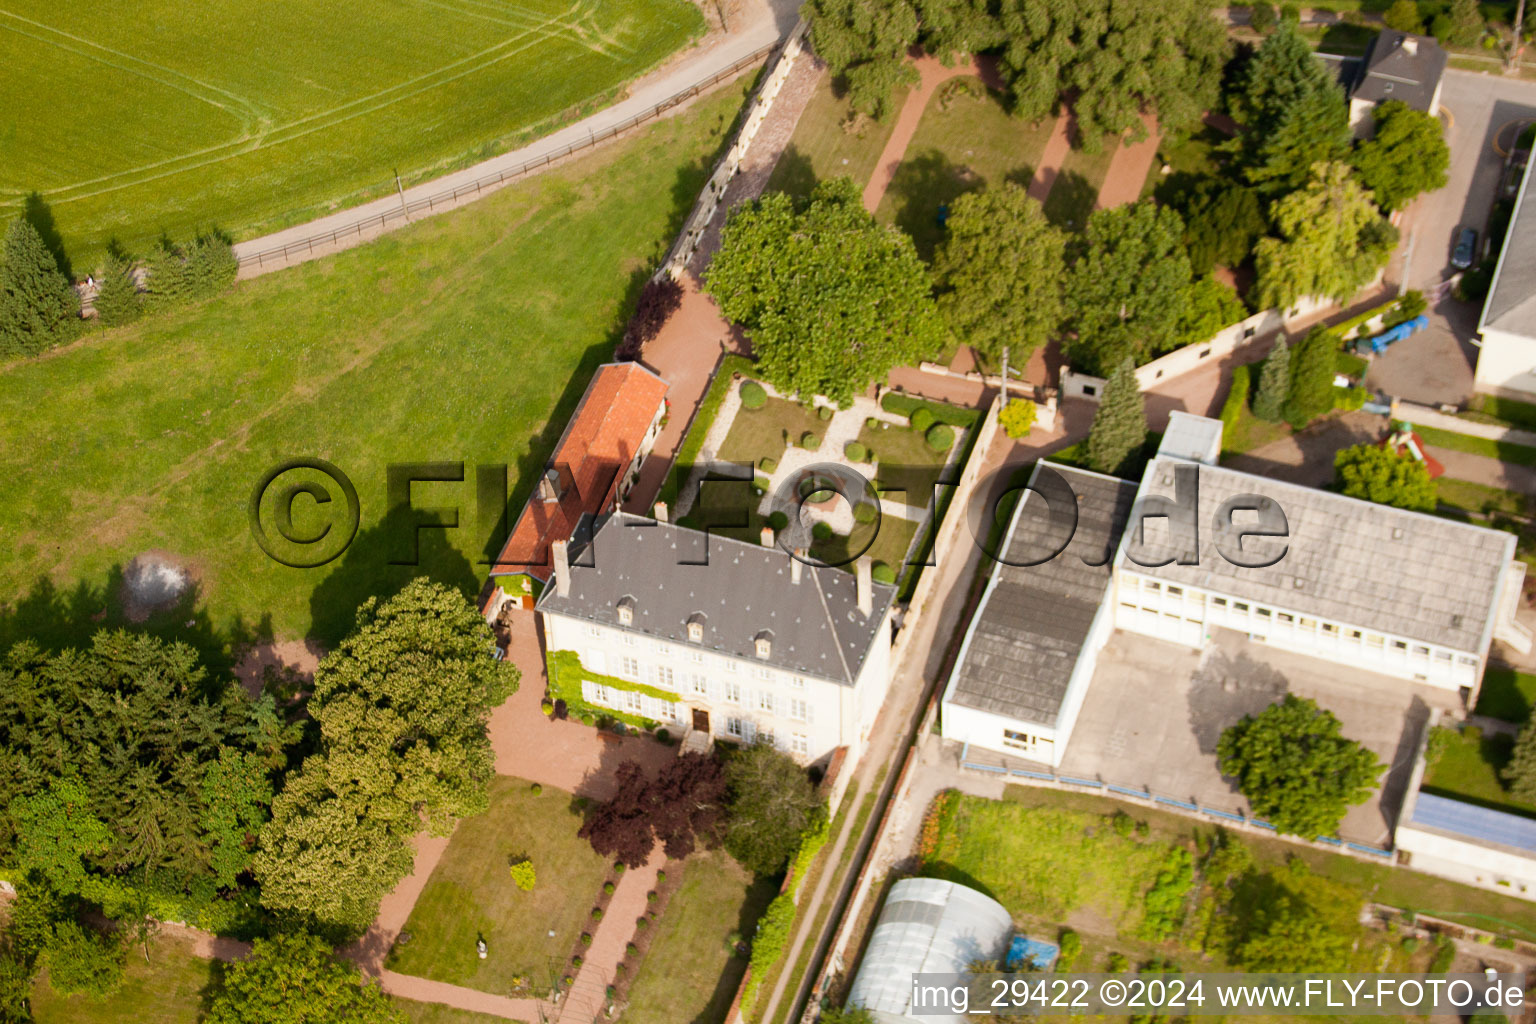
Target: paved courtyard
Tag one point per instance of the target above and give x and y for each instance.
(1155, 711)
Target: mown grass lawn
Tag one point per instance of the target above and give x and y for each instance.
(468, 337)
(471, 895)
(1506, 694)
(1076, 190)
(826, 144)
(1469, 768)
(169, 989)
(437, 1013)
(965, 141)
(1504, 451)
(690, 973)
(169, 117)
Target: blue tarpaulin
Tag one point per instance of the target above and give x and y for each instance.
(1037, 954)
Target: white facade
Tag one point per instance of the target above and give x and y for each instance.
(1465, 861)
(735, 699)
(1506, 364)
(1184, 615)
(1032, 741)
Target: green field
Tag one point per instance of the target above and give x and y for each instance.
(133, 119)
(469, 337)
(169, 989)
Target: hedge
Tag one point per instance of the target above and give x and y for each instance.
(904, 405)
(709, 408)
(1237, 398)
(882, 573)
(921, 419)
(773, 930)
(753, 396)
(767, 465)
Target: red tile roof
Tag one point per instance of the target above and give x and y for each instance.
(600, 440)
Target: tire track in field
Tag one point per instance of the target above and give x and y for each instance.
(311, 123)
(182, 83)
(496, 13)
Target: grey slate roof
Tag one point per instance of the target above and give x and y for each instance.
(1348, 561)
(673, 573)
(1025, 639)
(1391, 72)
(1511, 304)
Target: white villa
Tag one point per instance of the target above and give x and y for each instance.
(717, 638)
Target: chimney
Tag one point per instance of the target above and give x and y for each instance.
(1410, 45)
(795, 565)
(549, 485)
(560, 561)
(660, 512)
(861, 570)
(767, 536)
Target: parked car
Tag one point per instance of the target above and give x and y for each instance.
(1466, 249)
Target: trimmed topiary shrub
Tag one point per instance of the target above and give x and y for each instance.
(536, 789)
(921, 420)
(940, 437)
(597, 913)
(586, 938)
(809, 441)
(824, 412)
(822, 531)
(882, 573)
(872, 423)
(608, 888)
(778, 519)
(853, 451)
(767, 465)
(753, 396)
(865, 512)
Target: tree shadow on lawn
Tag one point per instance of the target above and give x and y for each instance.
(1071, 201)
(794, 174)
(923, 185)
(759, 895)
(57, 618)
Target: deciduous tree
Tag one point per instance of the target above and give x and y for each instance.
(295, 979)
(679, 807)
(403, 704)
(1464, 25)
(1000, 271)
(38, 306)
(831, 300)
(865, 42)
(1221, 222)
(1378, 474)
(1116, 60)
(1405, 157)
(1295, 921)
(771, 805)
(1330, 242)
(1127, 293)
(1296, 768)
(1120, 425)
(1210, 306)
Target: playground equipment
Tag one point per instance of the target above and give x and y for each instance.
(1404, 441)
(1378, 344)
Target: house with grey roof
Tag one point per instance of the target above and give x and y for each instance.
(716, 637)
(1506, 361)
(1397, 66)
(1028, 655)
(1193, 548)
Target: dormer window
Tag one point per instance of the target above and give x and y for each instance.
(627, 611)
(764, 644)
(696, 628)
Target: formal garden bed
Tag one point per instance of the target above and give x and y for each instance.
(529, 935)
(766, 442)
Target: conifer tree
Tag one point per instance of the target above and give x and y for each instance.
(1274, 383)
(1120, 426)
(117, 298)
(38, 305)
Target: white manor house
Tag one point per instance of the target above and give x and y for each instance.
(716, 637)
